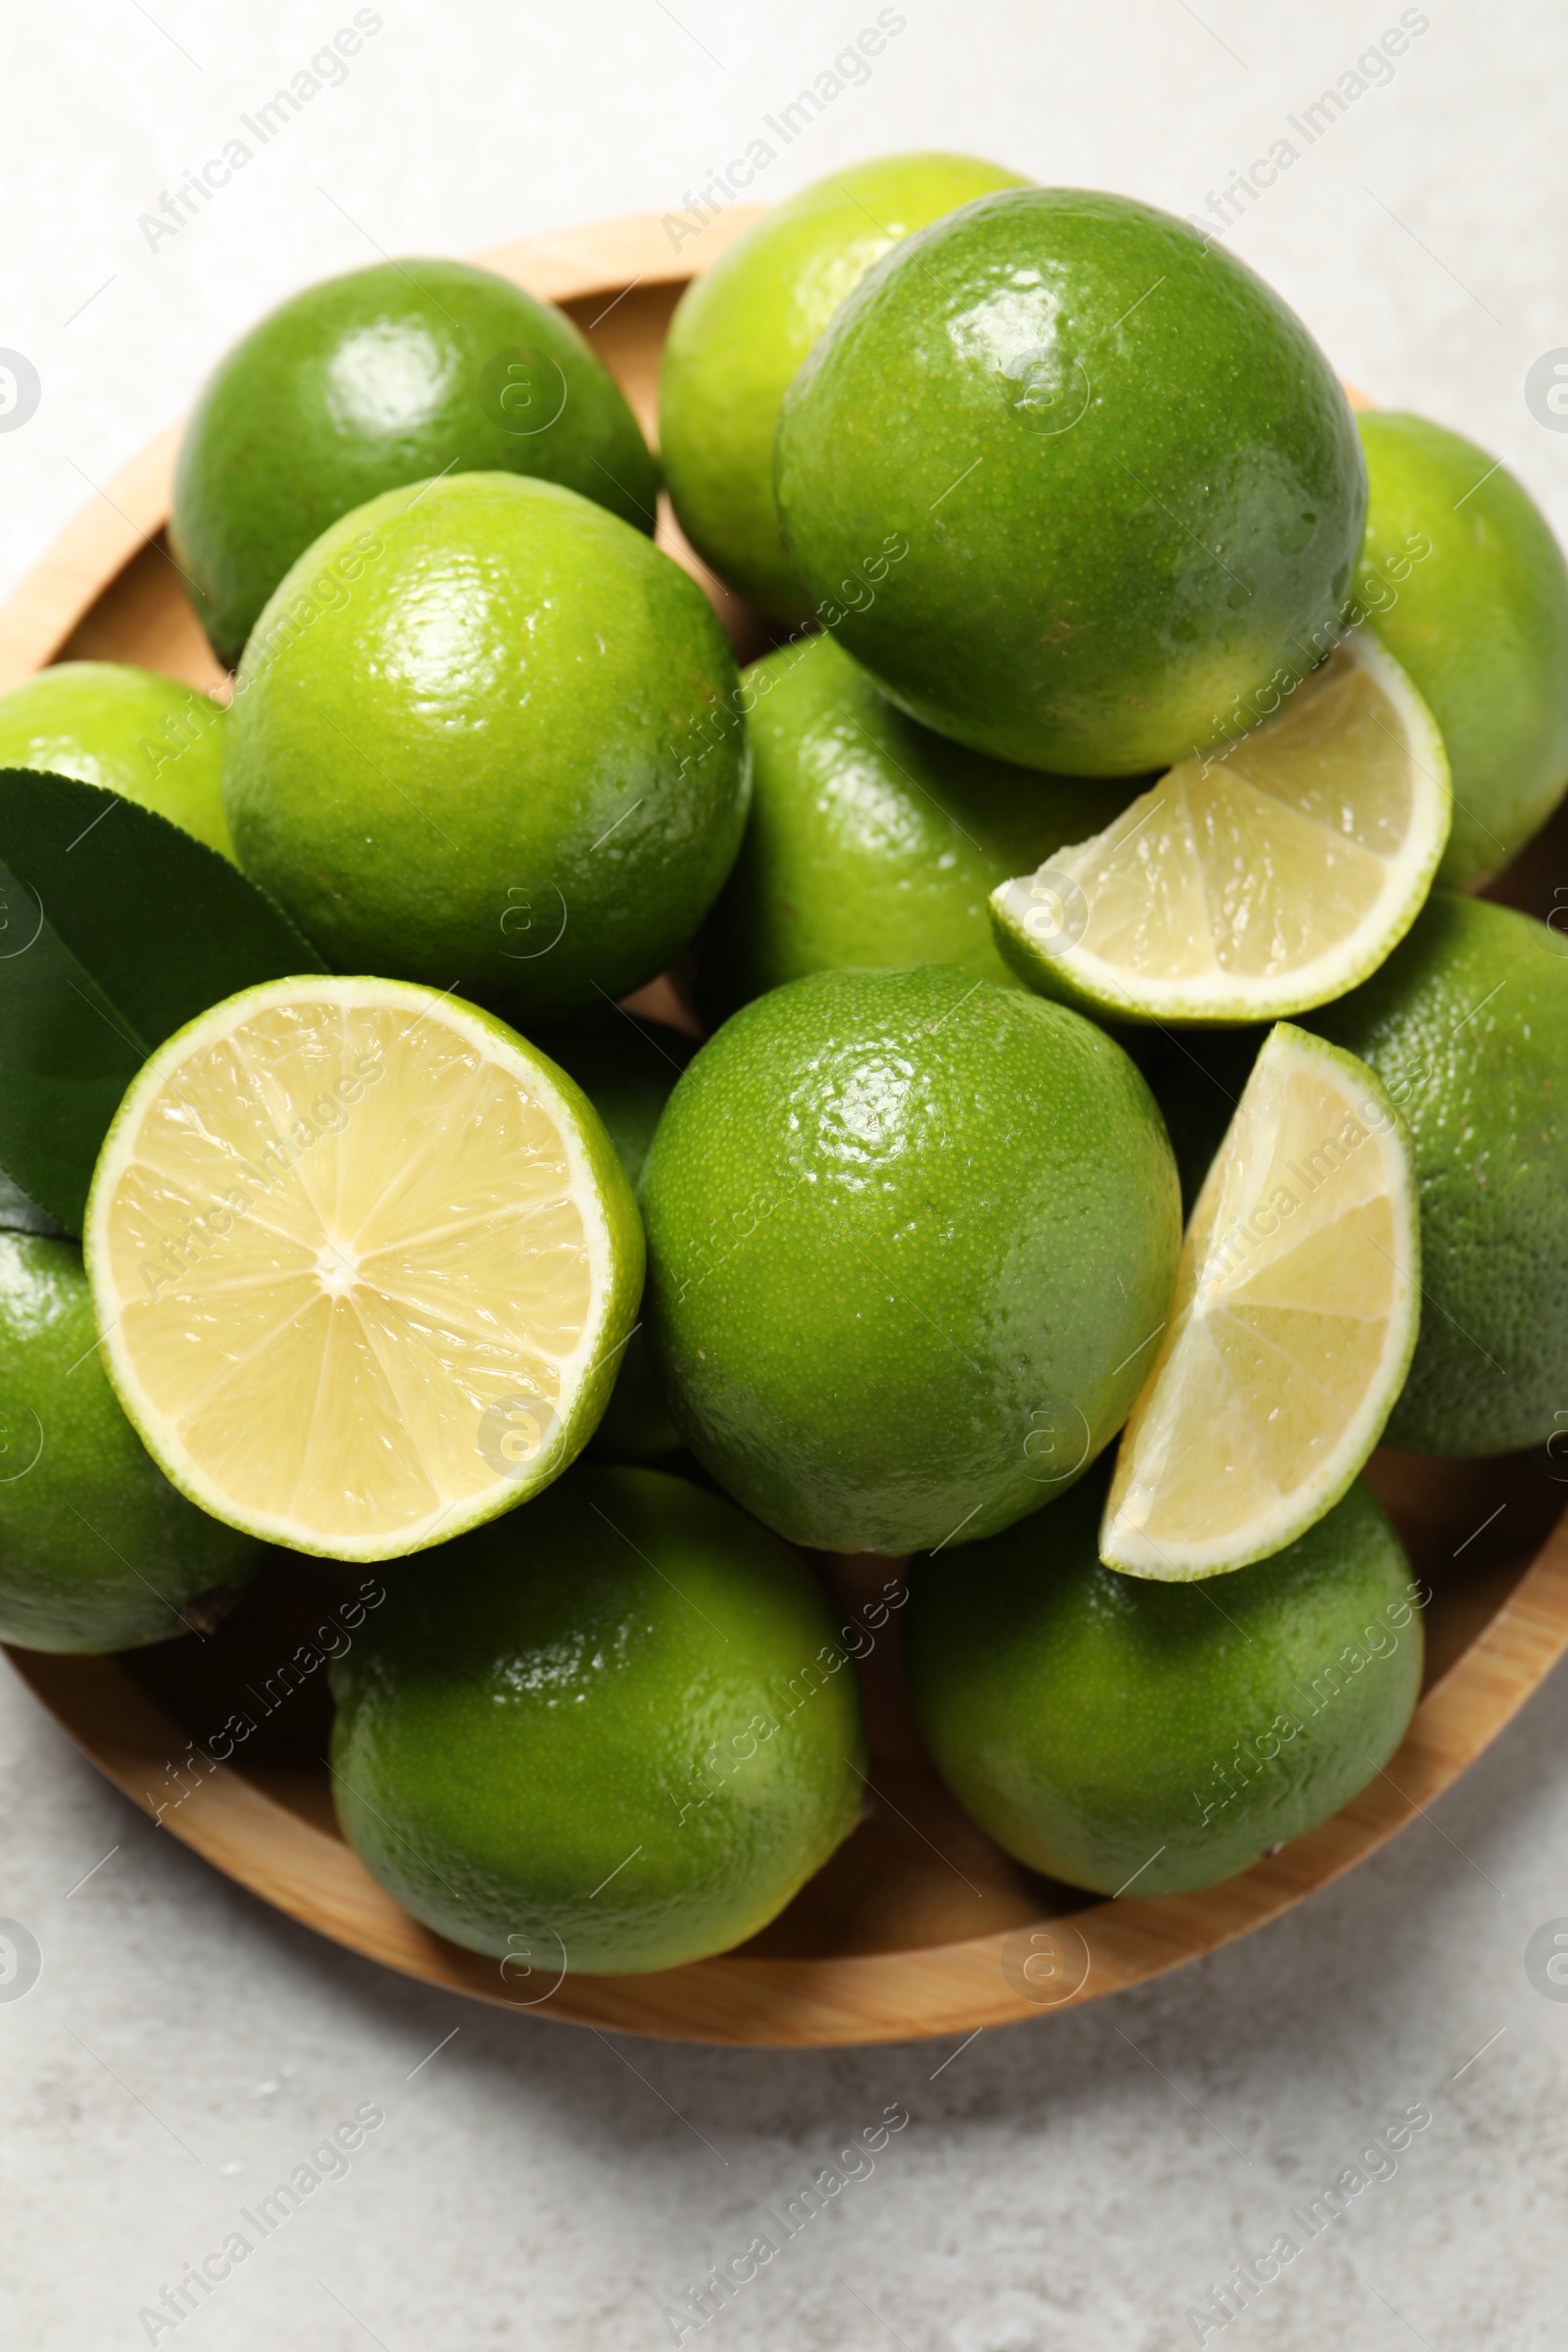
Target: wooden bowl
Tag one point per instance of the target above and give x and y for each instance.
(919, 1924)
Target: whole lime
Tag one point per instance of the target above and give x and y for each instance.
(1074, 484)
(741, 330)
(871, 841)
(484, 736)
(129, 730)
(97, 1551)
(386, 377)
(1467, 1026)
(1109, 1730)
(627, 1067)
(911, 1237)
(616, 1733)
(1462, 579)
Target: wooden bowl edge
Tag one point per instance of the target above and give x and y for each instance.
(915, 1994)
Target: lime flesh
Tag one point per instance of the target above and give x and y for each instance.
(1292, 1327)
(1256, 884)
(363, 1262)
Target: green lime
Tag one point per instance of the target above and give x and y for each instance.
(616, 1732)
(870, 840)
(383, 377)
(131, 731)
(1116, 1733)
(484, 736)
(1467, 1026)
(626, 1068)
(741, 330)
(911, 1239)
(97, 1551)
(1462, 579)
(1073, 483)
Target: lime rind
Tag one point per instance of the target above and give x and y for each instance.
(1219, 1258)
(1044, 923)
(612, 1241)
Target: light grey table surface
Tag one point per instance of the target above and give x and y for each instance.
(1073, 2184)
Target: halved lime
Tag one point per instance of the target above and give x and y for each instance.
(363, 1262)
(1255, 881)
(1292, 1327)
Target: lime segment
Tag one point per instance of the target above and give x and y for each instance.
(1292, 1329)
(364, 1262)
(1256, 882)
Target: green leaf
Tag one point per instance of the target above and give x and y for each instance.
(19, 1214)
(115, 928)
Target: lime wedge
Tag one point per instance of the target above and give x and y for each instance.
(363, 1262)
(1256, 881)
(1292, 1327)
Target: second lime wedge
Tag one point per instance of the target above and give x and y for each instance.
(1292, 1327)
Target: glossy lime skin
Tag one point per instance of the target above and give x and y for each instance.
(871, 841)
(485, 736)
(97, 1551)
(616, 1732)
(1467, 1026)
(741, 330)
(1462, 579)
(909, 1235)
(387, 375)
(627, 1067)
(131, 731)
(1124, 479)
(1103, 1727)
